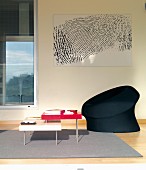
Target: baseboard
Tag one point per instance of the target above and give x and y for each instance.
(80, 122)
(11, 122)
(141, 121)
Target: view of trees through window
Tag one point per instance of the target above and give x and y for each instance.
(19, 72)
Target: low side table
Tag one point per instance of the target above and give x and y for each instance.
(41, 125)
(47, 117)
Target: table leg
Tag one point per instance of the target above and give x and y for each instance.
(56, 137)
(77, 130)
(24, 138)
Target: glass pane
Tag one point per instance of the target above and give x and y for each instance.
(19, 73)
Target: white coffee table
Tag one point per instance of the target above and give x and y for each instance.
(41, 125)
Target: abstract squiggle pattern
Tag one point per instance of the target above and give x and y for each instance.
(77, 39)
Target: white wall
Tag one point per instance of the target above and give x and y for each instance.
(70, 87)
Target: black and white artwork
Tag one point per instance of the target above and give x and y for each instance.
(92, 40)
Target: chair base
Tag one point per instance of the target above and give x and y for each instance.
(121, 123)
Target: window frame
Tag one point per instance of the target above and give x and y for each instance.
(17, 39)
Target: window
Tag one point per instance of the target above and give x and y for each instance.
(17, 53)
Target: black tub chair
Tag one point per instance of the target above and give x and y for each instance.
(112, 110)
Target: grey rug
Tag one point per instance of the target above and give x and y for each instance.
(42, 145)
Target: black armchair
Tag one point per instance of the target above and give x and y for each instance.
(112, 110)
